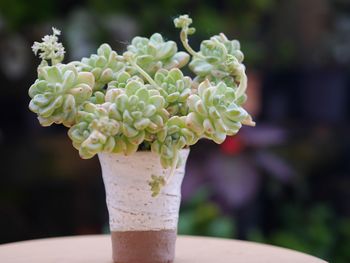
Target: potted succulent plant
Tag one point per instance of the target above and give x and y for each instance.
(139, 113)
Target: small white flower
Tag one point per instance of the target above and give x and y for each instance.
(50, 48)
(56, 31)
(182, 21)
(36, 47)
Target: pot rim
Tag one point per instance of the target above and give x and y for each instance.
(141, 152)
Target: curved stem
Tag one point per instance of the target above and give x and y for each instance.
(143, 73)
(184, 40)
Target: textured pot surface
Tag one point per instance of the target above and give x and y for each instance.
(143, 227)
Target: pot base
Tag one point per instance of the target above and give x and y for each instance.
(143, 246)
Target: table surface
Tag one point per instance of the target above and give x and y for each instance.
(97, 249)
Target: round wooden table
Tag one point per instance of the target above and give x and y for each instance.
(97, 249)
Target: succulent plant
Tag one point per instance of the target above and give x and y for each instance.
(175, 88)
(104, 65)
(142, 100)
(58, 92)
(172, 138)
(139, 109)
(214, 112)
(155, 53)
(219, 59)
(94, 130)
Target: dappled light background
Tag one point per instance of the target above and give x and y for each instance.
(285, 182)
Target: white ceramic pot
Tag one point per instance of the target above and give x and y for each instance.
(143, 228)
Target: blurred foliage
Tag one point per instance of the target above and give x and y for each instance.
(18, 13)
(302, 229)
(239, 19)
(203, 217)
(315, 230)
(304, 209)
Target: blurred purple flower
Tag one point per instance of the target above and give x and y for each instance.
(275, 166)
(263, 135)
(234, 179)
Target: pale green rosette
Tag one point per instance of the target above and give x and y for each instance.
(95, 131)
(175, 88)
(171, 139)
(121, 79)
(220, 59)
(139, 109)
(214, 112)
(58, 92)
(104, 65)
(154, 53)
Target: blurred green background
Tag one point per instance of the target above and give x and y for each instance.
(285, 182)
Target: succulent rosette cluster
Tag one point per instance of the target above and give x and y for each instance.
(219, 59)
(95, 130)
(214, 111)
(104, 65)
(154, 53)
(58, 93)
(172, 138)
(139, 109)
(141, 100)
(175, 89)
